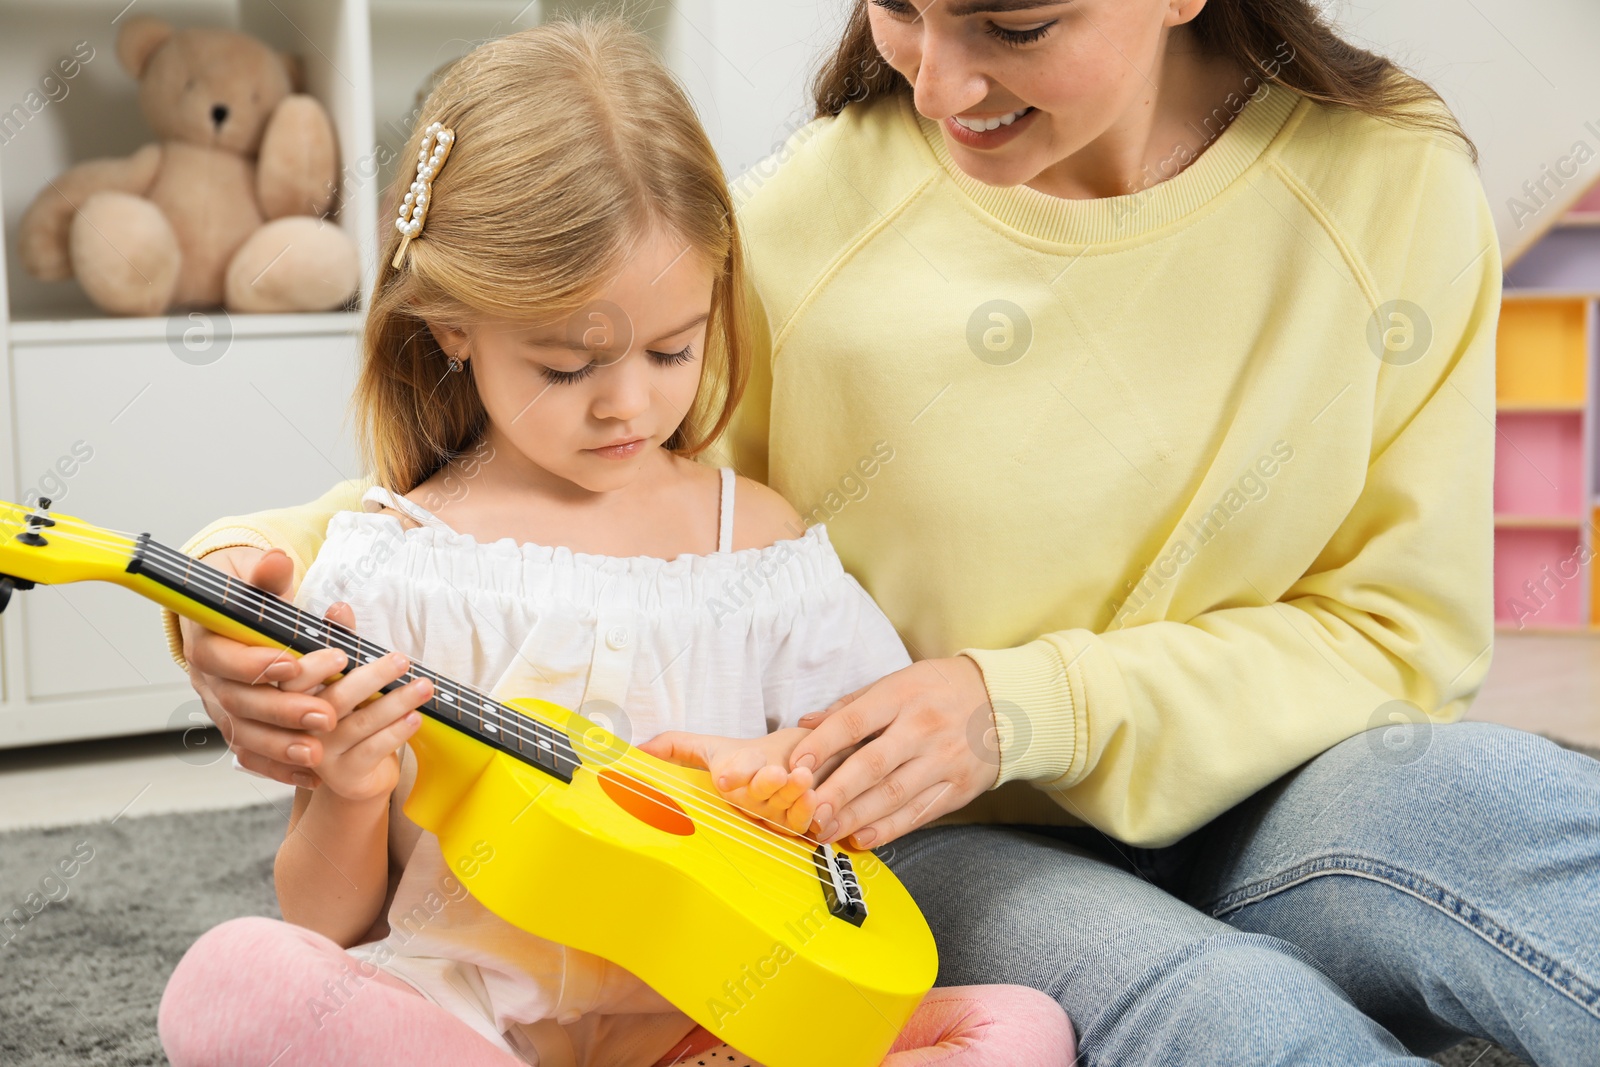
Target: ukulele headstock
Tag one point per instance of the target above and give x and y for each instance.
(37, 547)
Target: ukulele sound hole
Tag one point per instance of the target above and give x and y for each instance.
(646, 803)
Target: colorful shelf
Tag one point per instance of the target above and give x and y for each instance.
(1546, 486)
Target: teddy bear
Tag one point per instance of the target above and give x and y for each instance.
(226, 208)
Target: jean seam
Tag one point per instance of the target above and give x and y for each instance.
(1551, 971)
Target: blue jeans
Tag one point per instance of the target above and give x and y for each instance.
(1375, 904)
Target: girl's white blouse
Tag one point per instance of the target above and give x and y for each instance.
(731, 643)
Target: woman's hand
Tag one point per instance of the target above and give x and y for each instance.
(268, 702)
(751, 773)
(934, 749)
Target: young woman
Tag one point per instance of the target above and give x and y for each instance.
(1139, 356)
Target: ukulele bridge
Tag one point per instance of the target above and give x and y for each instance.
(839, 884)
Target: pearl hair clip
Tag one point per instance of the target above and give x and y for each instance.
(436, 142)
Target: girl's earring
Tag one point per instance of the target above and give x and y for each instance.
(456, 362)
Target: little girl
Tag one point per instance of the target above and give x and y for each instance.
(556, 330)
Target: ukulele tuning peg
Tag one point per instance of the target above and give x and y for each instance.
(37, 521)
(8, 585)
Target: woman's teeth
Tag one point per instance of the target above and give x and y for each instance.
(980, 125)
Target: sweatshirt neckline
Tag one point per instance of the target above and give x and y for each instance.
(1116, 218)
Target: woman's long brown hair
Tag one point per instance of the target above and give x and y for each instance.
(1256, 34)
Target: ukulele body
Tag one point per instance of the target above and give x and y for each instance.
(728, 922)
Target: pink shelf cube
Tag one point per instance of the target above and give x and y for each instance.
(1538, 463)
(1590, 204)
(1538, 578)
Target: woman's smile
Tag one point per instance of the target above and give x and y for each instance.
(989, 131)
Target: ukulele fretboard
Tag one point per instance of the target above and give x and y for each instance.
(465, 709)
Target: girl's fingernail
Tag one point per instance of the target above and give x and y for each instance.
(315, 721)
(398, 659)
(304, 781)
(300, 754)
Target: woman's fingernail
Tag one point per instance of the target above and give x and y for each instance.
(300, 754)
(315, 721)
(808, 761)
(828, 828)
(279, 671)
(865, 837)
(823, 814)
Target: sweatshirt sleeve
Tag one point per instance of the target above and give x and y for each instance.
(298, 530)
(1150, 731)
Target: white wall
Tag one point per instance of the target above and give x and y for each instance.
(747, 64)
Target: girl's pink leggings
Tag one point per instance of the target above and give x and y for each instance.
(240, 995)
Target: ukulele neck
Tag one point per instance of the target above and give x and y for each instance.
(283, 624)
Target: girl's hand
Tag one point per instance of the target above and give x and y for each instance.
(751, 773)
(361, 755)
(264, 699)
(929, 750)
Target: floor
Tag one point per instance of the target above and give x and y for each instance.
(1549, 684)
(96, 781)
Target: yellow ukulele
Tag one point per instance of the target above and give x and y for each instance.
(777, 944)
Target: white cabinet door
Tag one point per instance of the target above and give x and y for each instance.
(161, 434)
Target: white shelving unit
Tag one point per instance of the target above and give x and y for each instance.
(181, 418)
(196, 415)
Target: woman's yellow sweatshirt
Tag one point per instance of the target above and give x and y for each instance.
(1200, 476)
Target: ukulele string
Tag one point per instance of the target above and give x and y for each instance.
(631, 760)
(739, 831)
(219, 582)
(754, 834)
(779, 846)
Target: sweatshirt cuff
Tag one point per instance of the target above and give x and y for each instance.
(198, 546)
(1038, 711)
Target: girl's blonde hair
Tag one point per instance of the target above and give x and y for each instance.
(572, 142)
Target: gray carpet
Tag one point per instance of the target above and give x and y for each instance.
(80, 980)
